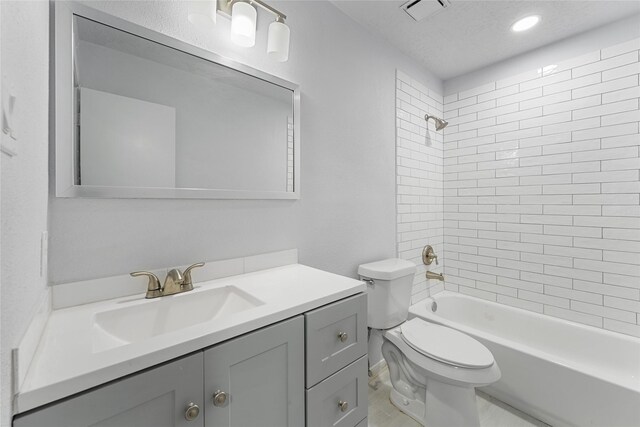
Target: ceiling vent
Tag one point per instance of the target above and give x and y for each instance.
(422, 9)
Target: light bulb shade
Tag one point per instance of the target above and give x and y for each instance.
(278, 41)
(202, 14)
(243, 24)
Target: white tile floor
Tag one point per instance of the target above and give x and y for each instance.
(493, 413)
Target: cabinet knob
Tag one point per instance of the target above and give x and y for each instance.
(342, 336)
(219, 398)
(192, 412)
(343, 405)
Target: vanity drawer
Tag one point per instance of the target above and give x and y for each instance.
(348, 386)
(363, 423)
(336, 335)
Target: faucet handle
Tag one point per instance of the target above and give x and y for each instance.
(153, 286)
(187, 283)
(429, 255)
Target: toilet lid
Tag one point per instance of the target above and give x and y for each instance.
(446, 344)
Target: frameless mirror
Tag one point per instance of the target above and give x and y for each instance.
(139, 114)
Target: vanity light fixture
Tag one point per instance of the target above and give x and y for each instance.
(243, 24)
(278, 34)
(244, 18)
(278, 40)
(525, 23)
(202, 14)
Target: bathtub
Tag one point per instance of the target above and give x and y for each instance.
(563, 373)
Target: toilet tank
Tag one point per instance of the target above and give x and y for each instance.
(389, 293)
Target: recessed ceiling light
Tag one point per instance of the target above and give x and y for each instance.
(525, 23)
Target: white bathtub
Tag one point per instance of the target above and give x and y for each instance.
(560, 372)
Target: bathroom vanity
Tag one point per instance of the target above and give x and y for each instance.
(296, 357)
(273, 348)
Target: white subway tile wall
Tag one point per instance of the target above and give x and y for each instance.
(419, 167)
(542, 190)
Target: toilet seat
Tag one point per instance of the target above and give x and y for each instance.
(441, 371)
(445, 345)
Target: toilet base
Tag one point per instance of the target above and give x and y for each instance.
(412, 407)
(446, 405)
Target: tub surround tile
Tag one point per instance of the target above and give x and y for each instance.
(419, 171)
(622, 327)
(548, 166)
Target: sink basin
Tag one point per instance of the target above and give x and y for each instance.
(126, 325)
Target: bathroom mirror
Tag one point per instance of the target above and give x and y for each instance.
(142, 115)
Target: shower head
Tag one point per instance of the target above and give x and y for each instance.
(440, 124)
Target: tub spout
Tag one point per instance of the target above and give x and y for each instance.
(435, 276)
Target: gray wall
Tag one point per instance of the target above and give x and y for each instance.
(347, 212)
(346, 215)
(25, 57)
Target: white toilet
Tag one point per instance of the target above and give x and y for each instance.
(434, 369)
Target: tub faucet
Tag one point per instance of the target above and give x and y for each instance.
(436, 276)
(429, 255)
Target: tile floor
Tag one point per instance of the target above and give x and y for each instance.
(493, 413)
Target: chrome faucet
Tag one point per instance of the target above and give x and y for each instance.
(175, 282)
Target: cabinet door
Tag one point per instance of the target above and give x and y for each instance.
(158, 397)
(262, 376)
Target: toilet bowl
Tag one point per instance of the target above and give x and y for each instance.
(434, 384)
(433, 369)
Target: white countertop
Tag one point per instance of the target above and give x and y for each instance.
(65, 362)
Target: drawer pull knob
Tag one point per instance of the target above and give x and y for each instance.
(343, 405)
(192, 412)
(219, 398)
(342, 336)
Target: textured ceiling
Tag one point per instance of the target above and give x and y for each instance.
(472, 34)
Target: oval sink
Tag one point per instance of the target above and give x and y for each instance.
(126, 325)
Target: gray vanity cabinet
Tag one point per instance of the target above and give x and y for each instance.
(340, 400)
(336, 363)
(336, 336)
(158, 397)
(257, 379)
